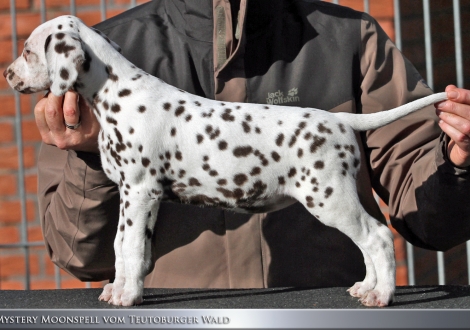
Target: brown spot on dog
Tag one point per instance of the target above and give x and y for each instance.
(222, 182)
(317, 143)
(179, 111)
(115, 108)
(255, 171)
(328, 192)
(242, 151)
(227, 116)
(166, 106)
(194, 182)
(319, 165)
(240, 179)
(323, 129)
(279, 139)
(246, 127)
(292, 172)
(64, 74)
(145, 162)
(275, 156)
(124, 92)
(222, 145)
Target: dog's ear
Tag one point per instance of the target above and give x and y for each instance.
(64, 56)
(105, 37)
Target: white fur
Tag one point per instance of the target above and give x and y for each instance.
(160, 143)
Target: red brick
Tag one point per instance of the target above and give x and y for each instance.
(10, 211)
(9, 235)
(20, 4)
(43, 284)
(35, 234)
(6, 132)
(31, 183)
(30, 130)
(8, 185)
(402, 275)
(72, 284)
(8, 104)
(6, 55)
(25, 24)
(15, 265)
(62, 4)
(11, 285)
(126, 2)
(9, 157)
(388, 26)
(400, 248)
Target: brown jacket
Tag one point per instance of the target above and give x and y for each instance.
(292, 52)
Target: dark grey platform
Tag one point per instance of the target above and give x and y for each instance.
(417, 297)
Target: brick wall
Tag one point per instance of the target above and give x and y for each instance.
(12, 267)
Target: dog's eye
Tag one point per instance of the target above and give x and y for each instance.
(26, 52)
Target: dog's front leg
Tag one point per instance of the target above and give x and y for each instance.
(112, 292)
(133, 247)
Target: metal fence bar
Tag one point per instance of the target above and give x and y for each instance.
(398, 42)
(366, 6)
(19, 144)
(103, 9)
(459, 74)
(73, 8)
(430, 82)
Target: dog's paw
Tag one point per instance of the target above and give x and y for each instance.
(376, 298)
(131, 298)
(357, 290)
(360, 289)
(107, 292)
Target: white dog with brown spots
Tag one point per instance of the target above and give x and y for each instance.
(160, 143)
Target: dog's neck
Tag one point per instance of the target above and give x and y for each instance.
(100, 81)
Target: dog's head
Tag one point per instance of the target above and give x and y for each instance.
(52, 58)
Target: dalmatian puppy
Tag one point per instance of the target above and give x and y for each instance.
(160, 143)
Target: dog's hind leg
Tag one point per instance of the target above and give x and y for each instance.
(360, 289)
(340, 208)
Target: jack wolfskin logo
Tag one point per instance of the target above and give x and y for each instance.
(279, 97)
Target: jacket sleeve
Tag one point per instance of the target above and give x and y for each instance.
(79, 209)
(426, 194)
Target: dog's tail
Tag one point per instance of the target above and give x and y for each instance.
(364, 122)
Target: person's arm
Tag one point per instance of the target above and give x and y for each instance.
(410, 170)
(78, 204)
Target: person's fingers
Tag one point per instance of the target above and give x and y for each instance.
(71, 110)
(54, 115)
(40, 117)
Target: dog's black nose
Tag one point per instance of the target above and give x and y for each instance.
(5, 73)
